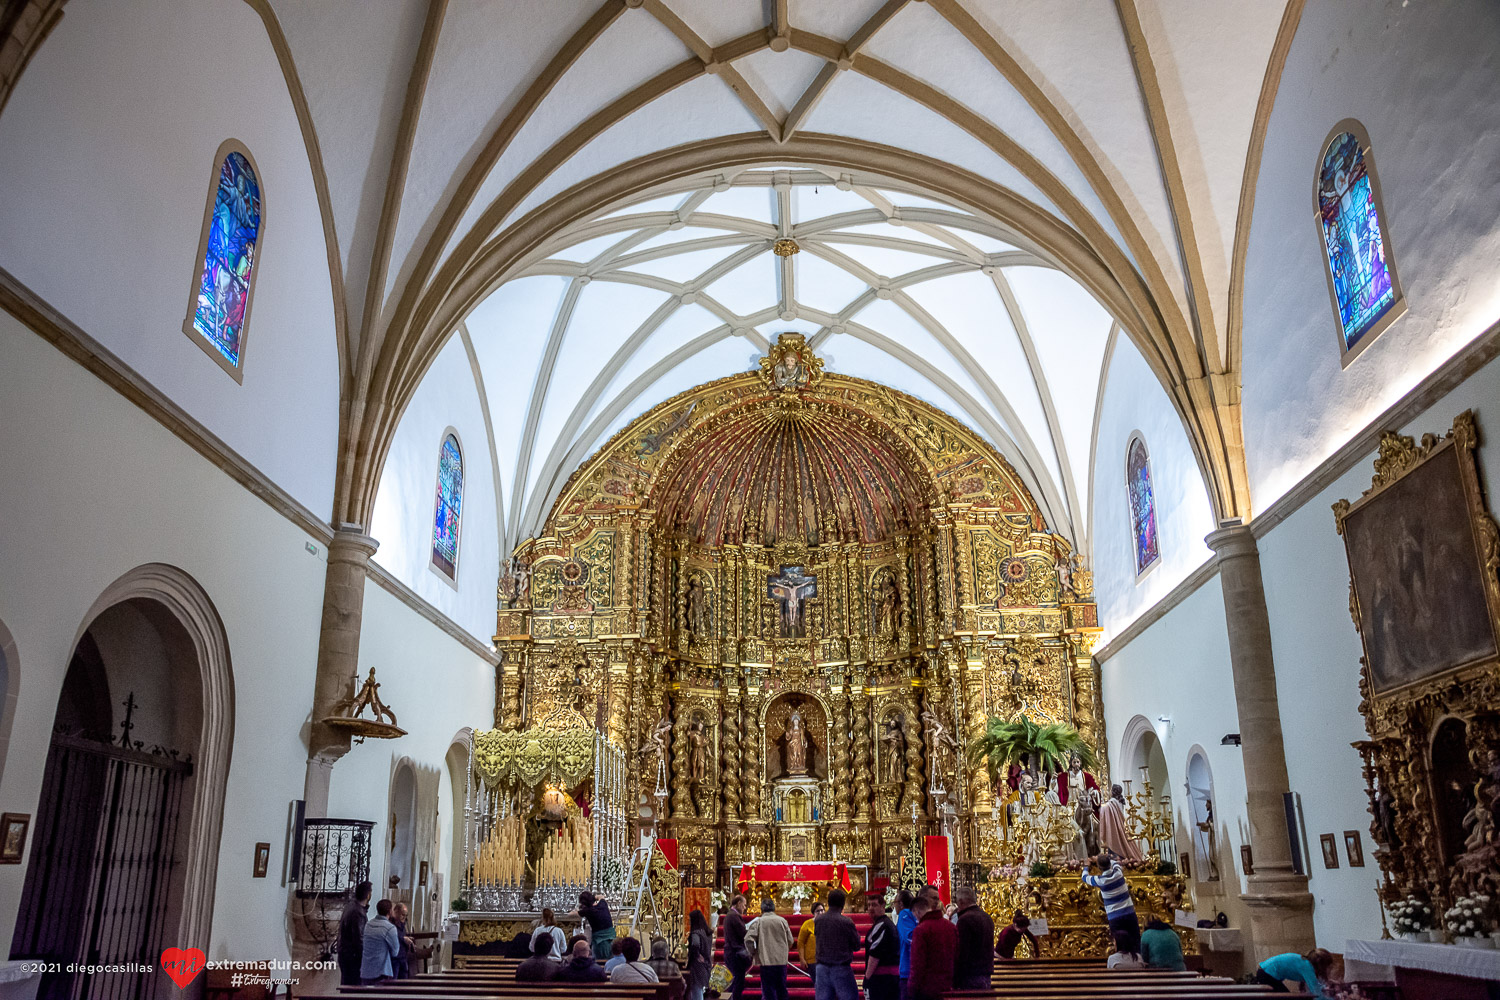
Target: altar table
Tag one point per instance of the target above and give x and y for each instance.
(819, 872)
(1425, 969)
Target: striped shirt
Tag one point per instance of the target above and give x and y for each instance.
(1113, 890)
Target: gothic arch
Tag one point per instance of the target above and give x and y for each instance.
(186, 600)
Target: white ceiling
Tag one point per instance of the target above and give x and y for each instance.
(683, 287)
(440, 123)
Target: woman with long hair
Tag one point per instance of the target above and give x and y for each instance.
(700, 955)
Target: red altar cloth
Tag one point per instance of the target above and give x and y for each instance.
(767, 872)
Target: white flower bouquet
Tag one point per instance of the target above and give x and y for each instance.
(1468, 920)
(1411, 917)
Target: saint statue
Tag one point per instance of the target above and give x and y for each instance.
(700, 612)
(1080, 792)
(888, 608)
(697, 752)
(796, 744)
(893, 739)
(790, 372)
(1112, 831)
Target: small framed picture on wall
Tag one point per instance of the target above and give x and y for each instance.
(1247, 860)
(1182, 866)
(422, 874)
(13, 827)
(1330, 850)
(262, 859)
(1354, 848)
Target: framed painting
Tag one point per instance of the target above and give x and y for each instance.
(1354, 847)
(1422, 555)
(1330, 850)
(262, 859)
(13, 829)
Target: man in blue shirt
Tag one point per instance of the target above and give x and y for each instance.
(382, 946)
(906, 922)
(1119, 908)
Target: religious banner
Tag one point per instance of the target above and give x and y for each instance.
(822, 874)
(696, 897)
(668, 848)
(935, 851)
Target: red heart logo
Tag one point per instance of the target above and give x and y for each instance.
(183, 964)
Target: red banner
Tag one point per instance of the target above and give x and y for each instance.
(766, 872)
(935, 852)
(668, 848)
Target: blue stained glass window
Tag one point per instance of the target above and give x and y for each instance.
(1353, 239)
(224, 288)
(1142, 505)
(450, 499)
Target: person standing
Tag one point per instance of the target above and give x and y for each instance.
(837, 941)
(934, 949)
(382, 946)
(807, 945)
(1310, 970)
(539, 968)
(1119, 909)
(596, 912)
(582, 967)
(736, 955)
(1161, 948)
(906, 922)
(549, 930)
(700, 955)
(770, 942)
(401, 967)
(1018, 930)
(976, 942)
(352, 934)
(882, 953)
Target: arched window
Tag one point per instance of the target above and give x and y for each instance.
(1361, 273)
(225, 277)
(1142, 505)
(449, 516)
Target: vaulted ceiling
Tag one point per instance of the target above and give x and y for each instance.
(1072, 145)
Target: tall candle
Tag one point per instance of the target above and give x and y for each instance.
(752, 852)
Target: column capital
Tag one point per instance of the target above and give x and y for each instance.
(351, 544)
(1232, 539)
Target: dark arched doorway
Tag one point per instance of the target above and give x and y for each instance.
(105, 884)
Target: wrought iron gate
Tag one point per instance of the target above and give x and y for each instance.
(100, 877)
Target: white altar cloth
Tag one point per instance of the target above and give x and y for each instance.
(1376, 960)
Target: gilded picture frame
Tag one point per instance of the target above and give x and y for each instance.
(1423, 554)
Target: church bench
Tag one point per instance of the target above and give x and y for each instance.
(1133, 990)
(506, 990)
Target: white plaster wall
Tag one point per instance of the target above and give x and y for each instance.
(106, 160)
(406, 500)
(1179, 668)
(1134, 402)
(1317, 652)
(436, 686)
(91, 488)
(1424, 79)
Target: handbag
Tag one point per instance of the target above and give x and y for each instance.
(719, 979)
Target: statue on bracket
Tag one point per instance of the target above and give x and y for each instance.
(893, 741)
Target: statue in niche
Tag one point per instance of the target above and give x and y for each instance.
(697, 738)
(893, 740)
(796, 744)
(700, 609)
(888, 607)
(792, 588)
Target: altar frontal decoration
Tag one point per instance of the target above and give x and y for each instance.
(1424, 569)
(829, 876)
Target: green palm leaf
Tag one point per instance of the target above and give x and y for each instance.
(1009, 741)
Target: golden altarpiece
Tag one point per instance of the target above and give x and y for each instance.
(1424, 559)
(789, 596)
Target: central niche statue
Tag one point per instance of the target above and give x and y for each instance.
(796, 744)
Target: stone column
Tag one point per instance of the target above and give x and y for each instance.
(338, 656)
(1279, 904)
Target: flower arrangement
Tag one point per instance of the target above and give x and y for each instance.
(1468, 918)
(719, 899)
(797, 890)
(611, 874)
(1411, 916)
(890, 897)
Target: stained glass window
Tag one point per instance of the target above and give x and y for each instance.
(223, 293)
(1142, 505)
(1353, 239)
(450, 499)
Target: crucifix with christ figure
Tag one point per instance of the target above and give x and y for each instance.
(791, 587)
